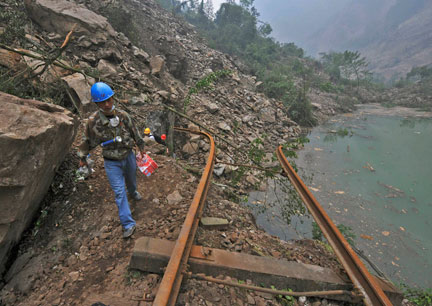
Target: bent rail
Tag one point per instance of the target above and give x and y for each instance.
(171, 281)
(359, 275)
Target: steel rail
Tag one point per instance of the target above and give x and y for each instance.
(171, 281)
(357, 272)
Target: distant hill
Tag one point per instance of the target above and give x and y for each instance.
(395, 35)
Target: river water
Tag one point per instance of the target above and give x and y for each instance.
(371, 171)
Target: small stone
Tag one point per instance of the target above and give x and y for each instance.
(212, 107)
(224, 126)
(174, 198)
(219, 169)
(157, 64)
(302, 299)
(106, 68)
(276, 254)
(190, 148)
(250, 300)
(214, 223)
(105, 235)
(74, 276)
(71, 260)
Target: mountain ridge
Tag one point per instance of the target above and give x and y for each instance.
(400, 39)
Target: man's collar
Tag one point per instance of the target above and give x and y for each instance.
(103, 118)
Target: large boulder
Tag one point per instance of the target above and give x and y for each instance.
(34, 139)
(79, 89)
(60, 16)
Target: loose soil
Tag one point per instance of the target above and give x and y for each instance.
(75, 253)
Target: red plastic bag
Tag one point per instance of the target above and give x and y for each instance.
(145, 164)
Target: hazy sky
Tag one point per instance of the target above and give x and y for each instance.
(217, 3)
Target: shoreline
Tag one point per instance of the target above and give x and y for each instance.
(378, 109)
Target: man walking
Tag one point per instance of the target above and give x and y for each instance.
(114, 130)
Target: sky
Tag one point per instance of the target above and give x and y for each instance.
(217, 3)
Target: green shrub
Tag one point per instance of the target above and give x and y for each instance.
(417, 296)
(328, 87)
(13, 18)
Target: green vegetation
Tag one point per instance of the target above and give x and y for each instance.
(13, 18)
(421, 73)
(420, 297)
(282, 68)
(132, 275)
(346, 231)
(39, 222)
(204, 83)
(343, 67)
(285, 300)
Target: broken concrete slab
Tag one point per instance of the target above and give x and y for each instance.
(214, 223)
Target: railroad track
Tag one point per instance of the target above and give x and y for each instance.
(357, 272)
(173, 276)
(169, 287)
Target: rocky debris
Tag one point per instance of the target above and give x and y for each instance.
(154, 58)
(106, 69)
(326, 104)
(11, 60)
(35, 138)
(80, 92)
(156, 64)
(418, 95)
(61, 16)
(83, 262)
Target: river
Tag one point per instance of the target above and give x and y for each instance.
(371, 171)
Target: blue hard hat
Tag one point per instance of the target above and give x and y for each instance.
(101, 92)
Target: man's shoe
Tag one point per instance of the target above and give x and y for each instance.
(128, 232)
(136, 196)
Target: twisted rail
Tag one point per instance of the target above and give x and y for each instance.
(171, 281)
(357, 272)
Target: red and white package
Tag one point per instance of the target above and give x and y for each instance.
(145, 164)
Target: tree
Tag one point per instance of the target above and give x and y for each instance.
(355, 64)
(332, 63)
(209, 9)
(265, 29)
(345, 65)
(422, 72)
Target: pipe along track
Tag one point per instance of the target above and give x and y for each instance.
(357, 272)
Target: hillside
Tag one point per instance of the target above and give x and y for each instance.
(394, 35)
(73, 253)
